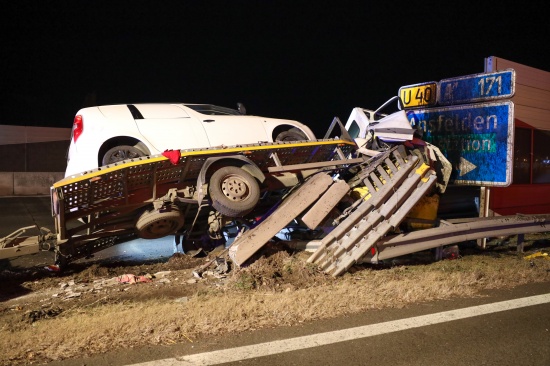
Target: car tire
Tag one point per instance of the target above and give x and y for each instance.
(154, 224)
(233, 191)
(293, 134)
(119, 153)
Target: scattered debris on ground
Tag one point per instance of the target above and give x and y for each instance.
(33, 315)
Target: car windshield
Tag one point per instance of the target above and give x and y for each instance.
(213, 110)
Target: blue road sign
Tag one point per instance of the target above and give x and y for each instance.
(477, 88)
(477, 139)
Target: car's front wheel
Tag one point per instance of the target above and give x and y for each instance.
(119, 153)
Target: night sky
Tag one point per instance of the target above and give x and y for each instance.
(308, 61)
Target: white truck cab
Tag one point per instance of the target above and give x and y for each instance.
(364, 124)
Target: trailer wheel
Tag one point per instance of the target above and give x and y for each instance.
(293, 134)
(119, 153)
(233, 191)
(154, 224)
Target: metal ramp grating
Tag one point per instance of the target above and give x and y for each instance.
(394, 187)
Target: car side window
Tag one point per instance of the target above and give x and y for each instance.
(158, 111)
(213, 110)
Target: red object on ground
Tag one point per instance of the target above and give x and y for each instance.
(172, 155)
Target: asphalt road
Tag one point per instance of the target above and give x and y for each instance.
(18, 212)
(516, 336)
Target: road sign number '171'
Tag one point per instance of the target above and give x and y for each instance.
(419, 95)
(477, 87)
(477, 139)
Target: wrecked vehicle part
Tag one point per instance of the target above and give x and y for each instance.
(17, 244)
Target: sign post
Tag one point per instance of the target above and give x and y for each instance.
(478, 138)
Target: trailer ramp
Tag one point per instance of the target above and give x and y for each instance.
(400, 183)
(318, 188)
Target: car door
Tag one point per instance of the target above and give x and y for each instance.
(233, 130)
(168, 126)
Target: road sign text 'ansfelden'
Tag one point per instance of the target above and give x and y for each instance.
(479, 134)
(479, 131)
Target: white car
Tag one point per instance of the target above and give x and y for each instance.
(103, 135)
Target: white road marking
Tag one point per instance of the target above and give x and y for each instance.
(321, 339)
